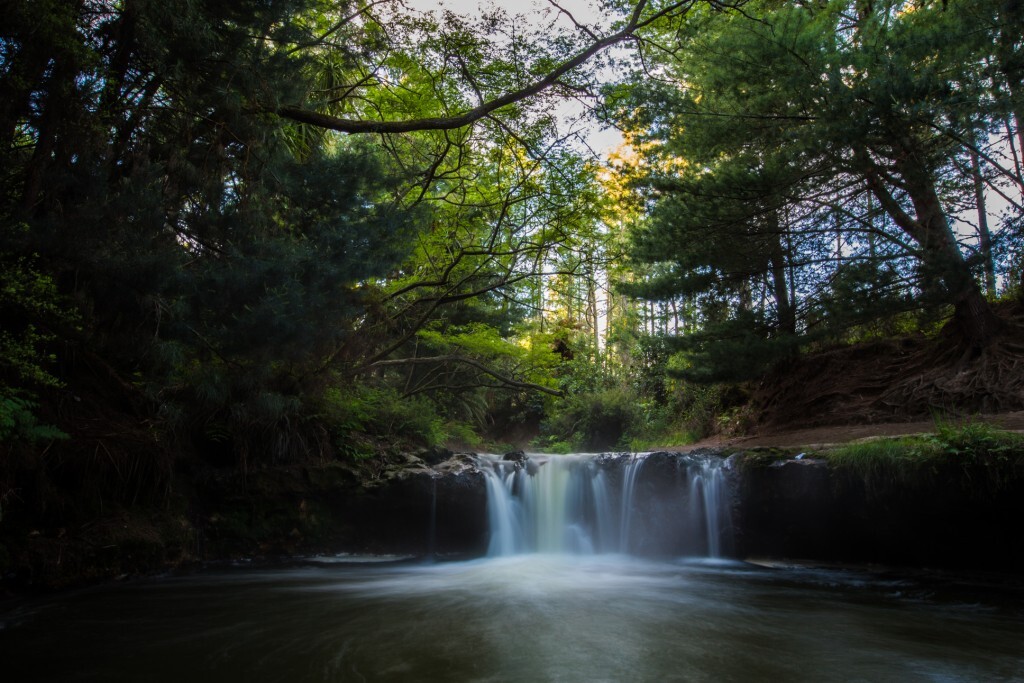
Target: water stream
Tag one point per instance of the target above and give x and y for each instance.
(590, 504)
(600, 569)
(522, 618)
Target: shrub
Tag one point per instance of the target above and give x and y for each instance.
(595, 421)
(359, 409)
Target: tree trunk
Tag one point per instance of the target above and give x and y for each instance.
(745, 297)
(780, 288)
(1011, 61)
(984, 235)
(941, 254)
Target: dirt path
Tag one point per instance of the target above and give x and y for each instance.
(819, 436)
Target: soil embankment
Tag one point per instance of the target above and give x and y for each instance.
(911, 378)
(826, 435)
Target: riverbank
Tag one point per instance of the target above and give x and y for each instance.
(830, 435)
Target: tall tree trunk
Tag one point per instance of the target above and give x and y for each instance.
(1011, 61)
(779, 286)
(592, 313)
(780, 290)
(942, 255)
(930, 229)
(984, 235)
(746, 297)
(1018, 168)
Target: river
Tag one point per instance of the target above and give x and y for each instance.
(530, 617)
(599, 569)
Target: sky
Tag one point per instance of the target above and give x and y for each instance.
(601, 140)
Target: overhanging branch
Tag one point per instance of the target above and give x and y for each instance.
(635, 22)
(426, 360)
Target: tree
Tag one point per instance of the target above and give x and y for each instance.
(767, 131)
(247, 201)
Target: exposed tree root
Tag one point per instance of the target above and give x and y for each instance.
(899, 380)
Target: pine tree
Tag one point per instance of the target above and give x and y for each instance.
(791, 149)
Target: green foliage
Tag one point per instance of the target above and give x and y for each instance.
(691, 412)
(594, 421)
(527, 359)
(736, 350)
(980, 457)
(29, 305)
(28, 298)
(862, 299)
(616, 418)
(226, 258)
(357, 410)
(648, 360)
(18, 421)
(699, 407)
(800, 163)
(219, 258)
(888, 460)
(979, 441)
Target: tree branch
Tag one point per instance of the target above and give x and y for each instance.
(507, 381)
(635, 22)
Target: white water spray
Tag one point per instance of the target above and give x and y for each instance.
(587, 504)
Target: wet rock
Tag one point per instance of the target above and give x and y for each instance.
(521, 460)
(434, 455)
(516, 457)
(457, 463)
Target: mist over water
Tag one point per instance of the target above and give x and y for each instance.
(598, 571)
(598, 504)
(533, 617)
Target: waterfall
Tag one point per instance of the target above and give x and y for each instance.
(503, 516)
(649, 504)
(630, 471)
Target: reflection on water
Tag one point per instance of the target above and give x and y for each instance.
(519, 618)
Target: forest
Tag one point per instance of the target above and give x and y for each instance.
(251, 234)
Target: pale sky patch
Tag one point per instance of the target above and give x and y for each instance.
(601, 140)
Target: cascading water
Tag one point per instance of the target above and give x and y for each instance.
(650, 504)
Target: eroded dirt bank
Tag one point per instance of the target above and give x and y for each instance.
(825, 435)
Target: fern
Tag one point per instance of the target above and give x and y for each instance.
(18, 421)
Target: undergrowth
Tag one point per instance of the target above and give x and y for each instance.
(982, 457)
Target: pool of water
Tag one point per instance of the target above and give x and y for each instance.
(520, 618)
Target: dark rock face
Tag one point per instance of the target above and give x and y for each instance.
(804, 509)
(786, 509)
(409, 508)
(434, 455)
(781, 506)
(659, 511)
(422, 513)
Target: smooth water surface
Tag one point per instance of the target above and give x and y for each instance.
(519, 618)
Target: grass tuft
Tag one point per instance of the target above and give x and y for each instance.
(983, 458)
